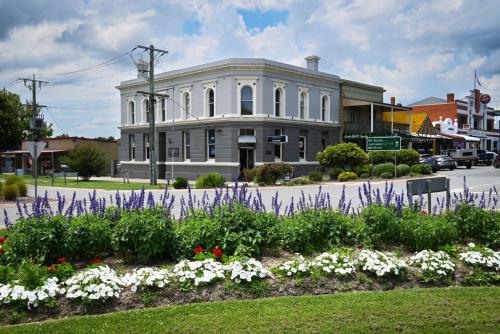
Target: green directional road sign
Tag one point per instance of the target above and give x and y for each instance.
(383, 143)
(496, 113)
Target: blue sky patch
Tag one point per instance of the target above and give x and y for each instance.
(191, 27)
(256, 19)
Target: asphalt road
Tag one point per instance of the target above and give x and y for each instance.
(479, 179)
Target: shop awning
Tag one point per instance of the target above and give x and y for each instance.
(460, 137)
(247, 140)
(27, 152)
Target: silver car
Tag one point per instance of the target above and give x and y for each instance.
(445, 162)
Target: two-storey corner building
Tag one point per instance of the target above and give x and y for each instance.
(221, 117)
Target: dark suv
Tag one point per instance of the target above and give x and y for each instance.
(428, 159)
(486, 158)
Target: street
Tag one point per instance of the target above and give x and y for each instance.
(479, 179)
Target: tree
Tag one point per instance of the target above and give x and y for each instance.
(342, 155)
(15, 121)
(87, 160)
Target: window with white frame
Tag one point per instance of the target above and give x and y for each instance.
(303, 103)
(210, 144)
(210, 103)
(279, 98)
(131, 147)
(186, 110)
(278, 147)
(146, 150)
(131, 112)
(187, 145)
(325, 106)
(163, 106)
(145, 111)
(302, 147)
(246, 96)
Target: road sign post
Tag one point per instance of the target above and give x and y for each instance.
(390, 143)
(35, 148)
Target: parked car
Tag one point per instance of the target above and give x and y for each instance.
(445, 162)
(464, 156)
(496, 162)
(428, 159)
(486, 158)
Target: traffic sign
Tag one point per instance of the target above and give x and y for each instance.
(392, 143)
(496, 113)
(35, 148)
(277, 139)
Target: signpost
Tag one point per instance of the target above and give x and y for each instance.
(428, 186)
(390, 143)
(277, 139)
(35, 148)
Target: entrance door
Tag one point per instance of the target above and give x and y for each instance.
(246, 158)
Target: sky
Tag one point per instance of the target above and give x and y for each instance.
(414, 49)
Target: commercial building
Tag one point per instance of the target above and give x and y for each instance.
(50, 158)
(474, 118)
(240, 113)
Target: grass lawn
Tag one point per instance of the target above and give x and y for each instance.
(438, 310)
(92, 184)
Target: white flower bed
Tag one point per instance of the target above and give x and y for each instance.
(50, 289)
(334, 264)
(296, 267)
(246, 270)
(483, 257)
(435, 264)
(147, 277)
(198, 272)
(99, 283)
(381, 264)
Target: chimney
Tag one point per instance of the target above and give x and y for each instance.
(312, 63)
(393, 100)
(450, 97)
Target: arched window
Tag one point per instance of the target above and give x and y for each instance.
(246, 100)
(277, 102)
(131, 111)
(187, 105)
(145, 107)
(302, 111)
(211, 103)
(324, 107)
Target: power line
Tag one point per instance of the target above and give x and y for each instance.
(54, 119)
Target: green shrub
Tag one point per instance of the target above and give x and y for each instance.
(474, 223)
(386, 175)
(380, 157)
(13, 179)
(315, 230)
(335, 172)
(87, 160)
(365, 169)
(180, 183)
(39, 239)
(402, 170)
(382, 224)
(61, 270)
(316, 176)
(347, 176)
(249, 174)
(420, 231)
(88, 236)
(271, 172)
(198, 230)
(1, 188)
(147, 234)
(10, 192)
(6, 274)
(298, 181)
(210, 180)
(380, 169)
(407, 156)
(421, 169)
(342, 155)
(364, 176)
(31, 275)
(23, 188)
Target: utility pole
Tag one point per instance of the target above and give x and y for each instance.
(35, 123)
(152, 137)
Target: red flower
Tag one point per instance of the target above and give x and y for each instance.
(55, 266)
(50, 269)
(2, 240)
(423, 212)
(2, 251)
(98, 260)
(198, 250)
(61, 260)
(217, 252)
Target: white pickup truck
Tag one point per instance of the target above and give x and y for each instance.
(464, 156)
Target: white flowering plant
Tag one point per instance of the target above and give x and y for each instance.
(334, 264)
(48, 292)
(476, 256)
(381, 264)
(433, 265)
(194, 273)
(246, 270)
(298, 267)
(147, 278)
(94, 284)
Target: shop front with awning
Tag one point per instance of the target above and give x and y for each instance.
(48, 161)
(461, 140)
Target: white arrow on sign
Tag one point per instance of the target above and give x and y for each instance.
(40, 145)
